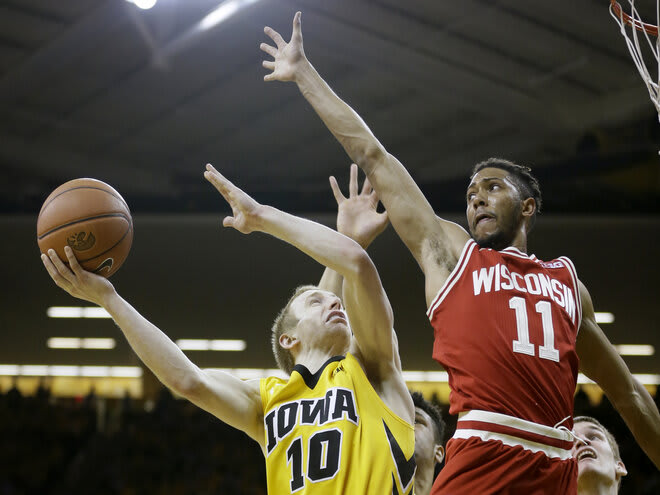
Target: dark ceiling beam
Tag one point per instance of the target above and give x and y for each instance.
(53, 163)
(421, 70)
(74, 41)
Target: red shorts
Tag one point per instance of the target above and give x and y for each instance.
(478, 467)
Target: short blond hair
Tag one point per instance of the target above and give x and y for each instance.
(284, 322)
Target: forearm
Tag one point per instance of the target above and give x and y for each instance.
(331, 281)
(641, 415)
(162, 356)
(342, 121)
(328, 247)
(411, 215)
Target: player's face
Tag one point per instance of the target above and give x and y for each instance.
(425, 446)
(493, 208)
(321, 318)
(596, 461)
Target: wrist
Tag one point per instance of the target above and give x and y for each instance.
(109, 300)
(304, 73)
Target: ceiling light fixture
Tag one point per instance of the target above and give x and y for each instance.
(77, 312)
(602, 317)
(223, 12)
(77, 343)
(211, 345)
(60, 370)
(635, 349)
(143, 4)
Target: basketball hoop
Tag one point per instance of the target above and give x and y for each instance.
(635, 25)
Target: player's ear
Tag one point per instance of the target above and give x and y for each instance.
(528, 207)
(438, 453)
(288, 341)
(620, 470)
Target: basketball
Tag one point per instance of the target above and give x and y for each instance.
(93, 219)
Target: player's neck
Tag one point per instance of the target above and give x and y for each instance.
(424, 479)
(597, 488)
(520, 241)
(313, 359)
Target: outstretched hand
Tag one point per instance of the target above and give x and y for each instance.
(287, 56)
(245, 210)
(357, 215)
(74, 279)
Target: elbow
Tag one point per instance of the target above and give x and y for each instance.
(360, 262)
(191, 384)
(370, 156)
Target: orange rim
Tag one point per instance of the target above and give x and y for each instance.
(651, 29)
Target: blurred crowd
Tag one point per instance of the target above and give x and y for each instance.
(92, 445)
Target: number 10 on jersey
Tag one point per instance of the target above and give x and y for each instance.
(323, 456)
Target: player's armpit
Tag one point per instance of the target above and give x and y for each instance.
(234, 401)
(431, 240)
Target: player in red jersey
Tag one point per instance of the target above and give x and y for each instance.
(508, 327)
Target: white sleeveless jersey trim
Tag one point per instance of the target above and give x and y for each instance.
(453, 276)
(512, 441)
(513, 251)
(576, 288)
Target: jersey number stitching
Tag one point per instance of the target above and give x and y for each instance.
(523, 345)
(324, 454)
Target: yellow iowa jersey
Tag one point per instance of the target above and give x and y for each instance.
(329, 433)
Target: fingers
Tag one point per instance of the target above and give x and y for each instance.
(353, 182)
(217, 179)
(275, 36)
(366, 187)
(58, 271)
(270, 50)
(228, 222)
(73, 261)
(339, 197)
(268, 64)
(297, 25)
(52, 271)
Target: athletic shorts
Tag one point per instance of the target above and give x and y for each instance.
(487, 463)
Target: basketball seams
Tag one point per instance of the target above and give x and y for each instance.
(106, 215)
(83, 187)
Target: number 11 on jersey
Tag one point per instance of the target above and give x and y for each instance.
(523, 345)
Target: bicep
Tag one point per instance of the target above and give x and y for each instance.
(232, 400)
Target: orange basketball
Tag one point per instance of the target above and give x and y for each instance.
(92, 218)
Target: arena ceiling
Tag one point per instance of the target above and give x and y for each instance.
(143, 99)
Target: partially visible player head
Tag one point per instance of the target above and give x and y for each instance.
(312, 319)
(600, 467)
(429, 441)
(503, 199)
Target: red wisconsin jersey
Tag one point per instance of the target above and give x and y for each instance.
(505, 329)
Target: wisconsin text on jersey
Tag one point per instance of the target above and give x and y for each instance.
(499, 277)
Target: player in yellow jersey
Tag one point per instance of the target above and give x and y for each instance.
(343, 422)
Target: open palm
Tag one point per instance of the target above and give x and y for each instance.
(287, 56)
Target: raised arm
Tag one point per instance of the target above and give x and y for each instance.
(600, 361)
(357, 218)
(234, 401)
(435, 243)
(368, 308)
